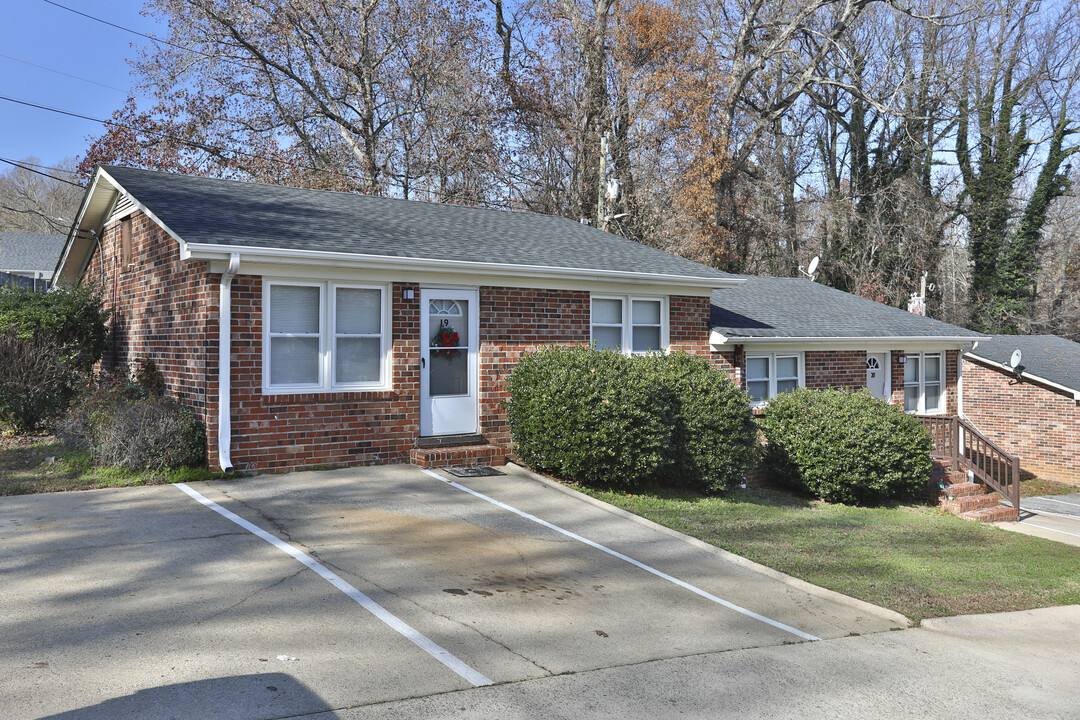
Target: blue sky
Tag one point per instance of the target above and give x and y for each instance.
(32, 31)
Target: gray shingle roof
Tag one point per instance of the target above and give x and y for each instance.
(1049, 357)
(250, 215)
(767, 307)
(30, 252)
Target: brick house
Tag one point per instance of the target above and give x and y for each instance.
(779, 333)
(368, 330)
(1032, 411)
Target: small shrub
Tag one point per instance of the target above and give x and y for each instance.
(49, 343)
(845, 446)
(715, 439)
(591, 417)
(35, 384)
(123, 424)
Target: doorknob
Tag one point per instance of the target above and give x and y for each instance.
(423, 363)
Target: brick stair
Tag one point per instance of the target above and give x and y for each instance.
(970, 500)
(448, 455)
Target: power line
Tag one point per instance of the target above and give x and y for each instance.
(30, 169)
(189, 143)
(126, 29)
(60, 72)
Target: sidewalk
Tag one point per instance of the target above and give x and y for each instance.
(1054, 518)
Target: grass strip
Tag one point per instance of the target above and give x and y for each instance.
(910, 558)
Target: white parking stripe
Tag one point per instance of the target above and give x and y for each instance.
(1027, 523)
(632, 561)
(336, 580)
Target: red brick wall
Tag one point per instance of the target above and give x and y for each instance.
(1040, 426)
(689, 332)
(287, 431)
(162, 309)
(835, 369)
(514, 321)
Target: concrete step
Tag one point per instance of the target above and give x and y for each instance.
(997, 513)
(457, 456)
(971, 502)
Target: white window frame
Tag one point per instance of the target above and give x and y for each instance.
(327, 338)
(921, 384)
(772, 365)
(626, 326)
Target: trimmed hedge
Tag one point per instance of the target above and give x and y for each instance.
(600, 418)
(845, 446)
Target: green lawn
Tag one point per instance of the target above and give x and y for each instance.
(912, 559)
(25, 468)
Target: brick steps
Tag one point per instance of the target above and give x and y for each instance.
(457, 456)
(998, 513)
(970, 500)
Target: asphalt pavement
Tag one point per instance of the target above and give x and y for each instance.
(391, 591)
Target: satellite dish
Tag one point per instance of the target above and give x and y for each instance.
(1017, 356)
(813, 265)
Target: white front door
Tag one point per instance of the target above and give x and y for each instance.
(876, 373)
(449, 351)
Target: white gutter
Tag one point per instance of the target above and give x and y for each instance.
(202, 251)
(225, 364)
(1034, 378)
(716, 338)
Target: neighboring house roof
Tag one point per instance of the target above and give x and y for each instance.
(30, 252)
(214, 216)
(769, 309)
(1044, 358)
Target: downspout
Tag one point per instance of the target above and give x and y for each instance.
(225, 363)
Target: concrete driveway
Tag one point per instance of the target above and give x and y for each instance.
(280, 596)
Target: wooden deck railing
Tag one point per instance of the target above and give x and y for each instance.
(961, 444)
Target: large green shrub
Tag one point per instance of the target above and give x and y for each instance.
(845, 446)
(129, 425)
(49, 343)
(592, 417)
(714, 443)
(605, 419)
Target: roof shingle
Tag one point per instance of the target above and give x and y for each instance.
(30, 252)
(1049, 357)
(768, 307)
(250, 215)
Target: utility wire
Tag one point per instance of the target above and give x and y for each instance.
(189, 143)
(126, 29)
(30, 169)
(61, 72)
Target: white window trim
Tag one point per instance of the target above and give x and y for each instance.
(921, 384)
(771, 358)
(327, 337)
(626, 328)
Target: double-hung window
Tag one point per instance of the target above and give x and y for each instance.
(923, 382)
(324, 336)
(769, 375)
(630, 325)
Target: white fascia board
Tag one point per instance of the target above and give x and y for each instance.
(719, 341)
(76, 226)
(1026, 375)
(417, 267)
(146, 211)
